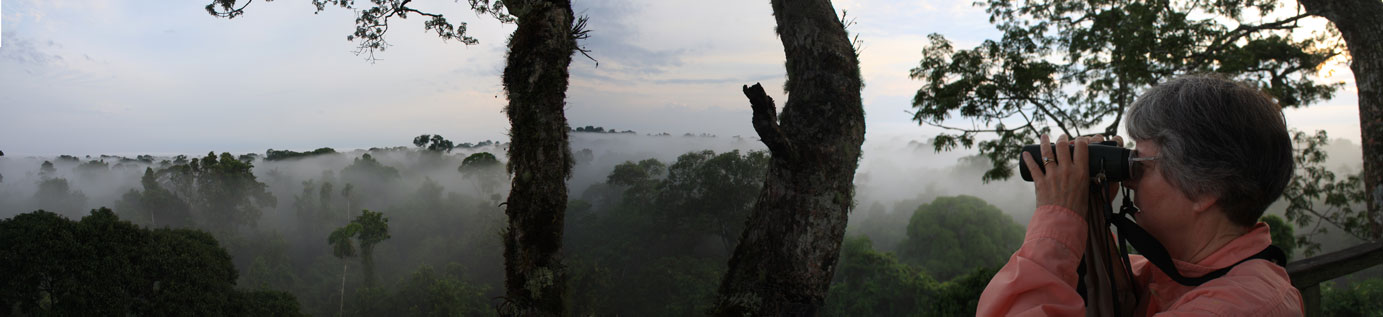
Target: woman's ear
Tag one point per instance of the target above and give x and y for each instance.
(1204, 202)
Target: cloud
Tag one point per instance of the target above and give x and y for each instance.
(23, 50)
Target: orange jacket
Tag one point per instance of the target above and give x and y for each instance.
(1040, 279)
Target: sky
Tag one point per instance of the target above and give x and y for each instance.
(133, 77)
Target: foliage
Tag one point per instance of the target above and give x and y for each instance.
(92, 168)
(434, 143)
(372, 23)
(485, 170)
(367, 230)
(223, 191)
(1363, 298)
(591, 129)
(278, 155)
(366, 169)
(154, 206)
(657, 241)
(478, 160)
(431, 293)
(1283, 234)
(1073, 65)
(1316, 196)
(102, 265)
(57, 194)
(263, 303)
(869, 283)
(952, 235)
(46, 170)
(341, 240)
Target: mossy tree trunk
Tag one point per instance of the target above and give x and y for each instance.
(788, 250)
(1361, 24)
(535, 77)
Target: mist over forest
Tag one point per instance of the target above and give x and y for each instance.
(445, 219)
(892, 170)
(814, 208)
(654, 213)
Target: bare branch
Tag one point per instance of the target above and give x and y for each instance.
(766, 121)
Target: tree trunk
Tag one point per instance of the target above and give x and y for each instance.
(367, 261)
(788, 250)
(1361, 24)
(535, 77)
(341, 306)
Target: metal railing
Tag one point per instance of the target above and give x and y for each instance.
(1307, 274)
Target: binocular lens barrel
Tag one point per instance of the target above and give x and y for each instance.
(1105, 157)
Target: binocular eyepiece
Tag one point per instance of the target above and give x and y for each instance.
(1107, 158)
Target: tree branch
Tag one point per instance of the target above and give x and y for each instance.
(1238, 33)
(228, 5)
(766, 121)
(1049, 114)
(1323, 217)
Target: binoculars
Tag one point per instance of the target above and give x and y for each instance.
(1106, 158)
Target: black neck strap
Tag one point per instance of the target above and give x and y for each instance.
(1153, 250)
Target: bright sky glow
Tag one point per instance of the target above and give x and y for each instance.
(159, 77)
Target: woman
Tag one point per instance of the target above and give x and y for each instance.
(1212, 154)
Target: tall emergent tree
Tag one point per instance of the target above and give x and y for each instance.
(343, 247)
(535, 79)
(788, 250)
(223, 192)
(1360, 22)
(374, 228)
(1074, 66)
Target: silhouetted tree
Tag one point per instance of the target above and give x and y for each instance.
(788, 250)
(57, 194)
(275, 155)
(434, 142)
(223, 191)
(486, 171)
(1358, 22)
(155, 206)
(343, 246)
(374, 228)
(46, 170)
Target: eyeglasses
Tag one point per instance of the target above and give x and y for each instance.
(1135, 163)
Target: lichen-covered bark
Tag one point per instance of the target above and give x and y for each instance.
(1361, 24)
(788, 250)
(535, 78)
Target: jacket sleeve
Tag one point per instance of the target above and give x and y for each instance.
(1040, 279)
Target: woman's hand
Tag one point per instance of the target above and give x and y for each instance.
(1066, 180)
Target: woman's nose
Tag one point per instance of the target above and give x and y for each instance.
(1130, 184)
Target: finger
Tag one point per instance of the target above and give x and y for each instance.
(1063, 152)
(1097, 138)
(1033, 168)
(1114, 188)
(1082, 156)
(1047, 150)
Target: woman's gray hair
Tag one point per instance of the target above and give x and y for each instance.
(1220, 137)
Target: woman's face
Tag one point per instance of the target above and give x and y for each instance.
(1163, 209)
